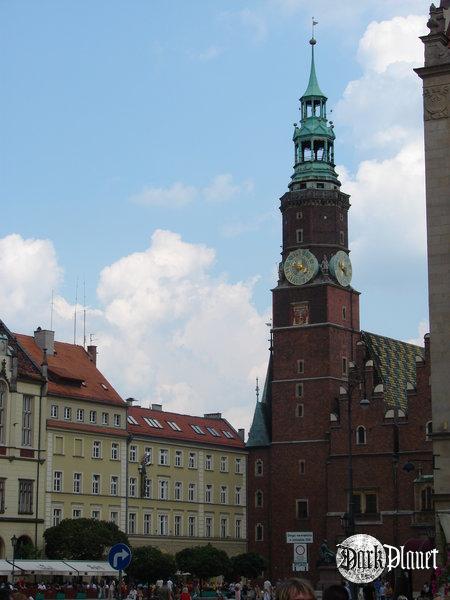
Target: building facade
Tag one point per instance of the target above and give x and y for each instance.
(333, 392)
(22, 445)
(71, 447)
(187, 481)
(436, 94)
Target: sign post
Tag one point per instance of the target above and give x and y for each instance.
(119, 558)
(300, 541)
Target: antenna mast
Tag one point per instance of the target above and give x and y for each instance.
(75, 315)
(84, 314)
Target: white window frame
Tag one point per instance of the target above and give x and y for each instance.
(77, 483)
(57, 481)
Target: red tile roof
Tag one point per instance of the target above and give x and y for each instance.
(72, 372)
(184, 423)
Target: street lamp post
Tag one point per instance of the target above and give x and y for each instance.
(13, 544)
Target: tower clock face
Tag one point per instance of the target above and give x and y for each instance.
(300, 266)
(341, 268)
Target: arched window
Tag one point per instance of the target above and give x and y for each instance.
(259, 532)
(426, 498)
(259, 498)
(361, 435)
(3, 396)
(428, 430)
(259, 468)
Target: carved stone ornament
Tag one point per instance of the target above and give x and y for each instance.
(436, 102)
(436, 54)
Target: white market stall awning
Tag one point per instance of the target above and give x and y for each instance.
(92, 567)
(6, 567)
(45, 567)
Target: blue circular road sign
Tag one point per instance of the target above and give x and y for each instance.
(119, 556)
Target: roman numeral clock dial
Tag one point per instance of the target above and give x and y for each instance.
(300, 266)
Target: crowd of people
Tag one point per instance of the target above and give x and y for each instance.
(111, 589)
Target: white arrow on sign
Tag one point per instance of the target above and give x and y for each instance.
(122, 554)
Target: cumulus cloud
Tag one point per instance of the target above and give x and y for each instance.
(387, 51)
(191, 341)
(29, 271)
(221, 189)
(388, 207)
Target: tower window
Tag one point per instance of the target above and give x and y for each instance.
(344, 312)
(344, 366)
(303, 186)
(299, 390)
(299, 234)
(259, 499)
(361, 435)
(259, 532)
(320, 186)
(341, 216)
(299, 215)
(300, 366)
(341, 238)
(301, 467)
(428, 430)
(301, 509)
(259, 468)
(299, 411)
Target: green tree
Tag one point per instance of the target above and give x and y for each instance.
(203, 561)
(248, 565)
(82, 539)
(149, 564)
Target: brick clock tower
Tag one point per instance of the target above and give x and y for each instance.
(297, 475)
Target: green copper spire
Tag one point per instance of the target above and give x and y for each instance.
(314, 138)
(313, 88)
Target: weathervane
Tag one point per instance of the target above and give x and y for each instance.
(314, 23)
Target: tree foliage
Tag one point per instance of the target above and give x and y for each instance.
(248, 565)
(82, 539)
(203, 561)
(149, 564)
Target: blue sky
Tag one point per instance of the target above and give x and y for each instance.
(122, 119)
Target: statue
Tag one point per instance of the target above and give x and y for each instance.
(324, 265)
(326, 556)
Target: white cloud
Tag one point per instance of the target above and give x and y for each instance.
(255, 22)
(208, 54)
(175, 334)
(422, 329)
(395, 41)
(29, 271)
(388, 51)
(175, 196)
(388, 207)
(221, 189)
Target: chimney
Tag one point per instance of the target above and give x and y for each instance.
(157, 407)
(45, 339)
(241, 434)
(92, 351)
(212, 416)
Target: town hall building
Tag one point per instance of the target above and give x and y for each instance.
(341, 439)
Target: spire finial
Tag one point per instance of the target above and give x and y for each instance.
(257, 389)
(313, 41)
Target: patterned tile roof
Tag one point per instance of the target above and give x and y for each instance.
(395, 362)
